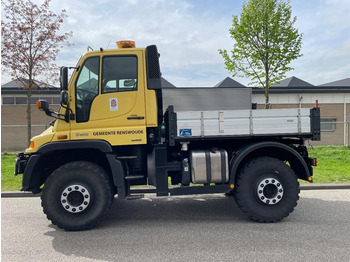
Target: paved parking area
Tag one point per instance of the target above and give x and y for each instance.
(193, 228)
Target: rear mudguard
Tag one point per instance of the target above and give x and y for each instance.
(273, 149)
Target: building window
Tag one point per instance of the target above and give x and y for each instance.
(8, 100)
(21, 100)
(328, 124)
(56, 100)
(33, 100)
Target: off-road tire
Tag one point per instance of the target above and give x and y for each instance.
(90, 201)
(283, 189)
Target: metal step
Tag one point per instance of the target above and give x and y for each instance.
(126, 157)
(134, 177)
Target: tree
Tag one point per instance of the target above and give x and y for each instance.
(30, 43)
(265, 43)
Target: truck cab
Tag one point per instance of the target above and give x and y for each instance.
(107, 86)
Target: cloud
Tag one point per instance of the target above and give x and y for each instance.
(326, 40)
(187, 37)
(189, 33)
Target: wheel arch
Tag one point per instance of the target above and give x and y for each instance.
(53, 155)
(272, 149)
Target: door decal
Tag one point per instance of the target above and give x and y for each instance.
(113, 104)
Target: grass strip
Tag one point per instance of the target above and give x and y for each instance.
(333, 167)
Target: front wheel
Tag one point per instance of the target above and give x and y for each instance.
(267, 189)
(77, 195)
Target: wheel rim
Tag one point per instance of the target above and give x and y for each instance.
(270, 191)
(75, 198)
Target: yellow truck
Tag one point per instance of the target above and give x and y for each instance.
(116, 129)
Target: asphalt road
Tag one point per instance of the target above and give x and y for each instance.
(196, 228)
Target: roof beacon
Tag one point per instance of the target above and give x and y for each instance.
(126, 44)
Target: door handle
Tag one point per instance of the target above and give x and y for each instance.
(135, 117)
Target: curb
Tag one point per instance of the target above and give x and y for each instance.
(16, 194)
(324, 186)
(13, 194)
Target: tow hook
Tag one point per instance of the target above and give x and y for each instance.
(21, 163)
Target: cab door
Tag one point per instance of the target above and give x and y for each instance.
(110, 99)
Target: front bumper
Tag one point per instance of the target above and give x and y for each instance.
(21, 163)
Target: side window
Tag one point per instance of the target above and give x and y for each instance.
(119, 74)
(86, 88)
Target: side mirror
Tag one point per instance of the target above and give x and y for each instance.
(64, 78)
(43, 105)
(64, 97)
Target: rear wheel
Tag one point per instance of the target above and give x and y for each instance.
(77, 195)
(267, 189)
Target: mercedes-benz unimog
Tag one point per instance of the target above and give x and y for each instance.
(117, 127)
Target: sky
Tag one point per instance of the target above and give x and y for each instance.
(188, 34)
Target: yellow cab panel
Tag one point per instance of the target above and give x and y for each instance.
(61, 130)
(108, 97)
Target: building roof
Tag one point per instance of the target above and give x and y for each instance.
(229, 82)
(288, 85)
(302, 90)
(22, 83)
(165, 83)
(292, 82)
(342, 82)
(295, 85)
(20, 87)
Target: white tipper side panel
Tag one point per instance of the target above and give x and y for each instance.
(207, 99)
(281, 121)
(243, 122)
